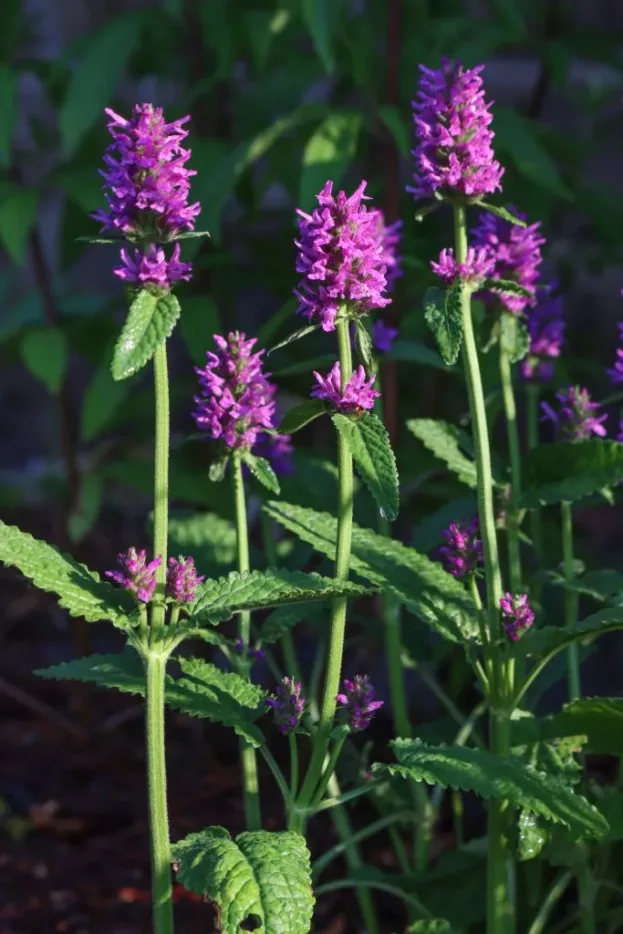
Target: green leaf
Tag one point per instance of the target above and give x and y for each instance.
(284, 618)
(531, 836)
(566, 472)
(100, 402)
(413, 352)
(491, 776)
(218, 468)
(199, 321)
(301, 415)
(209, 538)
(262, 471)
(398, 126)
(328, 153)
(261, 881)
(551, 639)
(80, 591)
(514, 337)
(294, 336)
(8, 112)
(601, 585)
(520, 138)
(122, 671)
(150, 322)
(506, 287)
(93, 82)
(218, 600)
(372, 452)
(45, 354)
(420, 584)
(502, 212)
(363, 343)
(600, 719)
(436, 926)
(18, 213)
(444, 440)
(320, 17)
(444, 316)
(85, 515)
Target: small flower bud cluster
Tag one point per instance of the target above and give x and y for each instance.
(358, 701)
(463, 552)
(288, 705)
(517, 615)
(358, 395)
(576, 418)
(138, 576)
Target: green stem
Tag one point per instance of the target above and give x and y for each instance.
(571, 600)
(553, 897)
(294, 764)
(247, 753)
(161, 487)
(406, 897)
(536, 516)
(271, 762)
(369, 830)
(512, 506)
(327, 774)
(342, 566)
(162, 901)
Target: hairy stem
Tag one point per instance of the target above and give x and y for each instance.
(512, 506)
(571, 601)
(161, 486)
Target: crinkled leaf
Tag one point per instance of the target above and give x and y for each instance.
(218, 600)
(564, 471)
(79, 590)
(301, 415)
(502, 212)
(444, 440)
(363, 343)
(294, 336)
(514, 336)
(420, 584)
(261, 881)
(149, 323)
(369, 443)
(551, 639)
(600, 719)
(262, 471)
(123, 671)
(491, 776)
(444, 316)
(505, 287)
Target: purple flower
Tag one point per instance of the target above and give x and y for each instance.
(463, 553)
(358, 394)
(515, 254)
(453, 155)
(517, 615)
(390, 235)
(576, 418)
(616, 372)
(383, 336)
(358, 699)
(237, 400)
(278, 450)
(288, 706)
(250, 652)
(152, 268)
(137, 574)
(341, 256)
(146, 177)
(546, 326)
(182, 580)
(476, 267)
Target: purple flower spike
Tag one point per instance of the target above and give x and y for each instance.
(288, 706)
(515, 254)
(358, 395)
(546, 326)
(278, 450)
(137, 574)
(152, 268)
(342, 256)
(237, 400)
(383, 336)
(463, 553)
(517, 615)
(576, 418)
(476, 267)
(616, 372)
(146, 177)
(453, 155)
(182, 580)
(358, 699)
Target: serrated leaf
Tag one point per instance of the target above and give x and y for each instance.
(149, 323)
(420, 584)
(369, 444)
(443, 439)
(79, 590)
(567, 472)
(218, 600)
(491, 776)
(295, 336)
(261, 881)
(363, 343)
(514, 337)
(505, 287)
(600, 719)
(302, 415)
(502, 212)
(206, 536)
(262, 471)
(122, 671)
(551, 639)
(444, 316)
(45, 353)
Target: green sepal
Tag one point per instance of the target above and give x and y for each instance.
(369, 444)
(262, 471)
(149, 323)
(444, 316)
(218, 468)
(514, 337)
(501, 212)
(363, 343)
(301, 415)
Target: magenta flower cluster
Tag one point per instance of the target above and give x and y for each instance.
(236, 401)
(358, 700)
(342, 249)
(358, 395)
(515, 254)
(517, 615)
(462, 553)
(616, 372)
(546, 327)
(288, 705)
(476, 267)
(577, 417)
(137, 574)
(182, 580)
(152, 268)
(453, 155)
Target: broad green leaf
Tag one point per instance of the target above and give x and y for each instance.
(261, 881)
(551, 639)
(8, 112)
(514, 337)
(600, 719)
(444, 316)
(491, 776)
(80, 591)
(218, 600)
(96, 77)
(328, 153)
(372, 453)
(444, 440)
(413, 352)
(199, 321)
(564, 471)
(122, 671)
(45, 353)
(18, 214)
(420, 584)
(262, 471)
(436, 926)
(100, 402)
(502, 212)
(150, 322)
(294, 336)
(301, 415)
(320, 17)
(210, 539)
